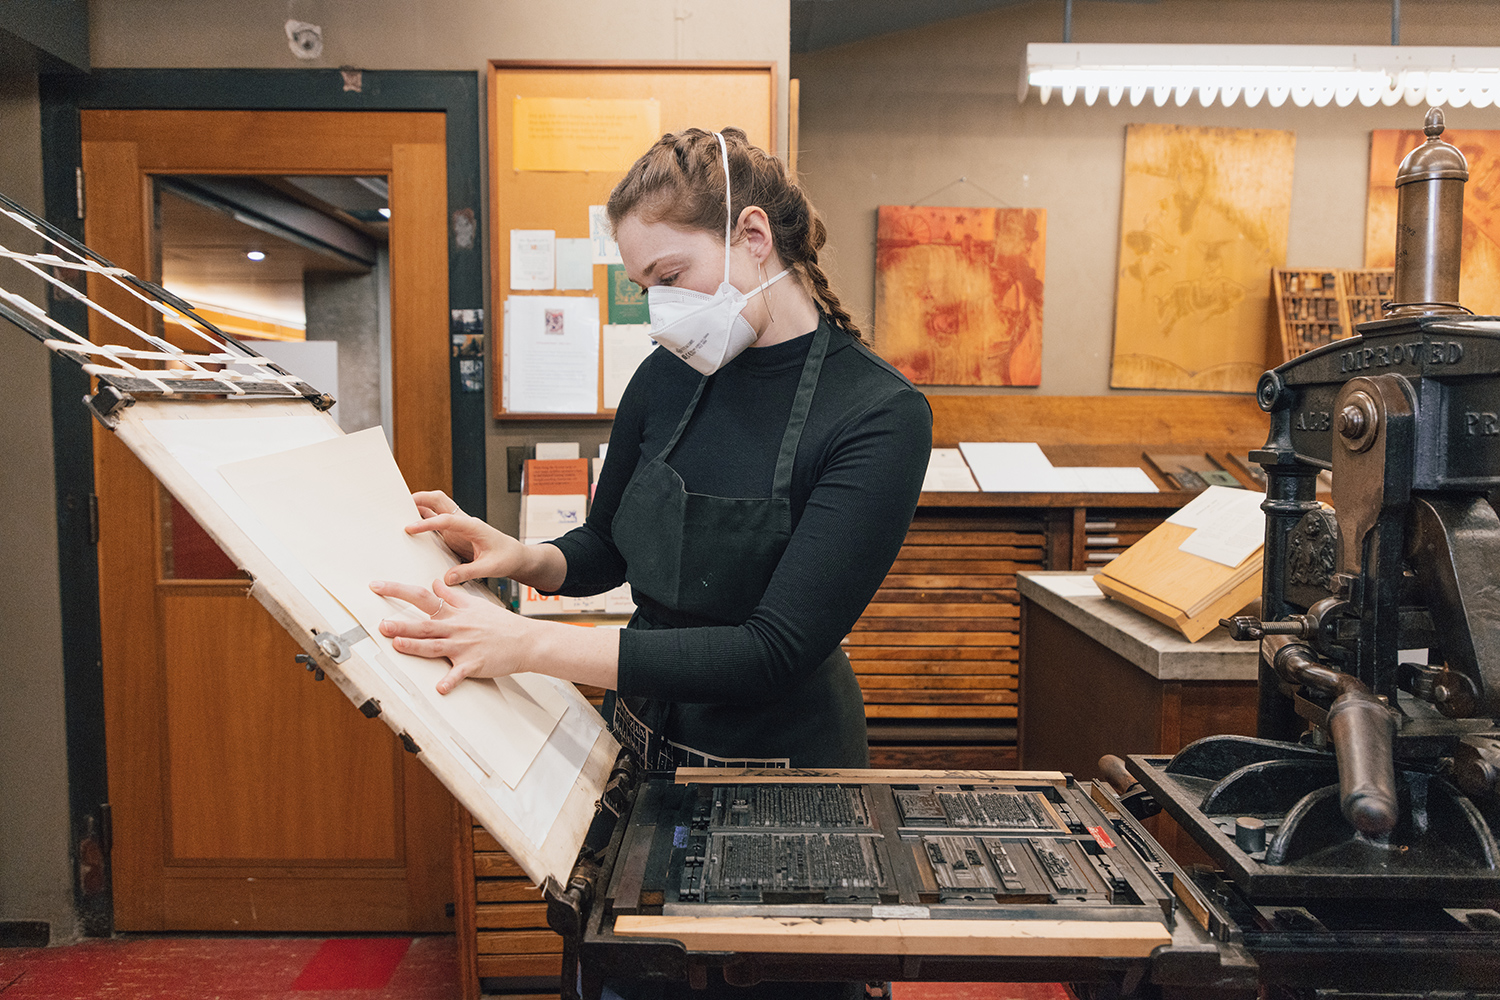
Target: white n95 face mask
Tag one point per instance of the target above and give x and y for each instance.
(706, 331)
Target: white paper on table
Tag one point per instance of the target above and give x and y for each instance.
(601, 237)
(575, 265)
(1000, 466)
(549, 450)
(341, 506)
(551, 354)
(532, 253)
(1111, 479)
(625, 347)
(939, 479)
(1071, 585)
(947, 458)
(1228, 524)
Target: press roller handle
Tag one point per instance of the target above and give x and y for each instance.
(1363, 732)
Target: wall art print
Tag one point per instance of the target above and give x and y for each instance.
(958, 293)
(1479, 275)
(1203, 219)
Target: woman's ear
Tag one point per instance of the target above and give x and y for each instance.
(755, 229)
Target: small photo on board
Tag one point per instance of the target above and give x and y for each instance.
(553, 321)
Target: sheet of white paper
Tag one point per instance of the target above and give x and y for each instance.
(575, 264)
(997, 465)
(549, 450)
(603, 450)
(347, 531)
(601, 237)
(1218, 504)
(1071, 585)
(947, 458)
(946, 479)
(625, 347)
(532, 252)
(552, 354)
(1228, 524)
(1111, 479)
(199, 446)
(548, 515)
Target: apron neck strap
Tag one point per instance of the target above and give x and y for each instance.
(807, 386)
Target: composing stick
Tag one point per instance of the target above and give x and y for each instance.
(239, 405)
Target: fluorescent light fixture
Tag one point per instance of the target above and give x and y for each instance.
(1307, 74)
(256, 255)
(384, 212)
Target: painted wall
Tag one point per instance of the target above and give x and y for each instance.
(35, 877)
(892, 120)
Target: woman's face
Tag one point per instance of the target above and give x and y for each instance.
(659, 253)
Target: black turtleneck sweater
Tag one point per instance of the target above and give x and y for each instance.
(855, 483)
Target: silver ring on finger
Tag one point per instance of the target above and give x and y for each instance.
(441, 605)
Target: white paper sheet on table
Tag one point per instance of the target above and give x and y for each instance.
(341, 507)
(947, 472)
(1071, 585)
(1003, 459)
(625, 347)
(532, 258)
(551, 354)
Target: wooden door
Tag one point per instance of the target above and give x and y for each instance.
(245, 796)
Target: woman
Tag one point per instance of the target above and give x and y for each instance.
(762, 471)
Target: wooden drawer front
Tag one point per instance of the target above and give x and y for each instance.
(940, 639)
(510, 917)
(1107, 533)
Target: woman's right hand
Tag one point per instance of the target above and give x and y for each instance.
(485, 551)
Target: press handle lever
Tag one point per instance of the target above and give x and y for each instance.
(1133, 795)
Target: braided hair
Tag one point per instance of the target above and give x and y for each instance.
(680, 180)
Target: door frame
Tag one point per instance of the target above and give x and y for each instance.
(63, 98)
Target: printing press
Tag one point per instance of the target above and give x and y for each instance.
(1353, 838)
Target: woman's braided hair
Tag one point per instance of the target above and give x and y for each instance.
(680, 180)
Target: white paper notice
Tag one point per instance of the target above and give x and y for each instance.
(551, 354)
(575, 265)
(532, 252)
(349, 531)
(1228, 524)
(601, 236)
(625, 347)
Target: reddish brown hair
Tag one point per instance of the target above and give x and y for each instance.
(680, 180)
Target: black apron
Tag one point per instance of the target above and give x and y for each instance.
(708, 561)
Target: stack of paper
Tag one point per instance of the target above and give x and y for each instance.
(1021, 467)
(1202, 564)
(947, 472)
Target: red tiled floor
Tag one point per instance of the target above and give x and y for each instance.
(191, 968)
(166, 967)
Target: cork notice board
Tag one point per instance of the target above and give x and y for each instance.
(686, 95)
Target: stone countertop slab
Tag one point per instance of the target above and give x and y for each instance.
(1158, 650)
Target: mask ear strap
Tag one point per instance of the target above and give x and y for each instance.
(728, 212)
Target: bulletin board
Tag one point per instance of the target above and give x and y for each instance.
(685, 95)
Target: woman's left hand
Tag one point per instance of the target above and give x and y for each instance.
(479, 638)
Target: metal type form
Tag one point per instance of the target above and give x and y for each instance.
(1375, 774)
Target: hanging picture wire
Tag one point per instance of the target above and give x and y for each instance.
(157, 367)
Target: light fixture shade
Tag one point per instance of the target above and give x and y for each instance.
(1319, 75)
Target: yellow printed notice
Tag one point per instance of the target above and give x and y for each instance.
(569, 133)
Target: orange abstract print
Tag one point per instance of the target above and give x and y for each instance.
(1204, 217)
(1479, 275)
(958, 293)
